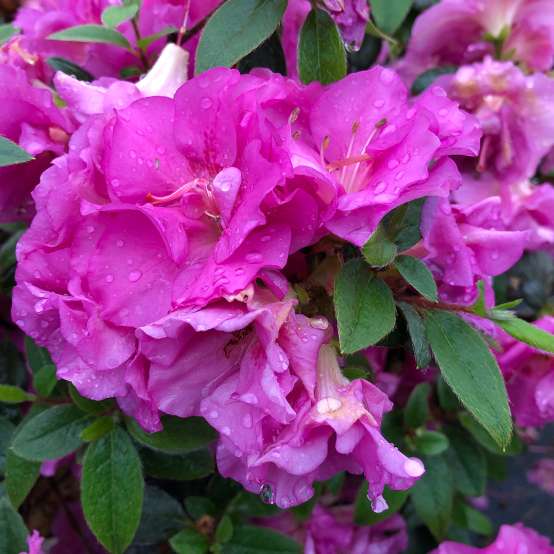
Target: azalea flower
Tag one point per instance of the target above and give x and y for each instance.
(458, 32)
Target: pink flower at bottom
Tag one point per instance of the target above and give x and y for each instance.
(34, 543)
(337, 429)
(511, 539)
(332, 531)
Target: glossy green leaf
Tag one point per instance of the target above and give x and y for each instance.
(321, 53)
(235, 29)
(364, 306)
(249, 539)
(113, 16)
(224, 530)
(379, 250)
(10, 394)
(416, 329)
(112, 490)
(146, 41)
(416, 411)
(11, 153)
(91, 33)
(162, 516)
(402, 224)
(37, 357)
(467, 462)
(469, 518)
(363, 512)
(527, 333)
(417, 274)
(7, 429)
(389, 14)
(471, 371)
(13, 533)
(97, 429)
(483, 437)
(88, 406)
(448, 401)
(178, 436)
(69, 68)
(21, 476)
(433, 495)
(189, 541)
(431, 443)
(44, 380)
(52, 434)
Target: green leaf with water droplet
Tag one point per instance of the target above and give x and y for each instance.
(11, 153)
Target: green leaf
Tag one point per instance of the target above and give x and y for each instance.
(471, 371)
(97, 429)
(389, 14)
(469, 518)
(7, 429)
(402, 224)
(431, 443)
(364, 306)
(363, 512)
(88, 406)
(178, 436)
(112, 490)
(189, 541)
(448, 401)
(379, 250)
(7, 31)
(417, 274)
(416, 329)
(177, 467)
(427, 78)
(69, 68)
(198, 506)
(7, 251)
(162, 516)
(484, 438)
(433, 495)
(247, 505)
(52, 434)
(467, 463)
(45, 380)
(236, 29)
(224, 530)
(11, 153)
(11, 394)
(113, 16)
(21, 476)
(145, 42)
(91, 33)
(416, 412)
(249, 539)
(321, 53)
(37, 357)
(527, 333)
(13, 533)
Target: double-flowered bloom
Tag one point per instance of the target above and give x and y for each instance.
(155, 269)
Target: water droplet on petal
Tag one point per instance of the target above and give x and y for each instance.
(319, 323)
(386, 76)
(254, 257)
(206, 103)
(109, 278)
(379, 103)
(392, 164)
(266, 494)
(134, 276)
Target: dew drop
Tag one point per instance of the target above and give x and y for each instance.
(247, 421)
(443, 112)
(379, 103)
(254, 257)
(319, 323)
(120, 243)
(494, 255)
(392, 164)
(109, 278)
(386, 76)
(206, 103)
(266, 494)
(134, 276)
(226, 431)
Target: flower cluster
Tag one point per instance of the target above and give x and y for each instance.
(186, 233)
